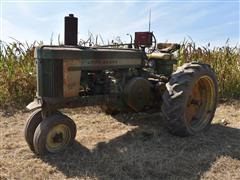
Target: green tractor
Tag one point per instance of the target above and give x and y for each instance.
(134, 77)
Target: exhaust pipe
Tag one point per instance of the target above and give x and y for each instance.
(70, 30)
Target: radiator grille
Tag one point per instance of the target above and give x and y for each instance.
(50, 78)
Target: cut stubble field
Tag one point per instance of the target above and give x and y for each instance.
(126, 146)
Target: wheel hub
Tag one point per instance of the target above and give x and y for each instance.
(58, 137)
(200, 102)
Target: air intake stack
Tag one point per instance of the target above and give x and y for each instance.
(70, 30)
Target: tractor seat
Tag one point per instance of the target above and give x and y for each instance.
(161, 56)
(165, 51)
(168, 47)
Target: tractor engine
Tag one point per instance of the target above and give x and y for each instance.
(68, 72)
(120, 79)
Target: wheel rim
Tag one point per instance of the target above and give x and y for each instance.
(200, 104)
(58, 138)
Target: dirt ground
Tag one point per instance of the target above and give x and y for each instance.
(135, 146)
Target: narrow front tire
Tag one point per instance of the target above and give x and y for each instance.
(32, 122)
(55, 133)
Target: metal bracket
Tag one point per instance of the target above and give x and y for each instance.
(35, 104)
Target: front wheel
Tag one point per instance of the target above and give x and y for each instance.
(190, 101)
(54, 134)
(32, 122)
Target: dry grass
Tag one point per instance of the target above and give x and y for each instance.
(126, 147)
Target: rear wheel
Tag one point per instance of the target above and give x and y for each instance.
(190, 101)
(54, 134)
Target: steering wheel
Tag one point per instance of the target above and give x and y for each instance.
(152, 48)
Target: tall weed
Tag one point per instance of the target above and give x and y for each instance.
(225, 61)
(18, 73)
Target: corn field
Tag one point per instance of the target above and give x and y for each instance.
(224, 60)
(18, 72)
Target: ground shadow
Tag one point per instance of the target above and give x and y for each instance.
(149, 152)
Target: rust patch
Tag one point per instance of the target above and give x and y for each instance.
(71, 79)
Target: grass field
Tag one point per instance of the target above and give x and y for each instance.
(132, 146)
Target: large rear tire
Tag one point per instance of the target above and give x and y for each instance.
(190, 101)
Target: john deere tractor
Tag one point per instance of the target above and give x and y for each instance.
(132, 77)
